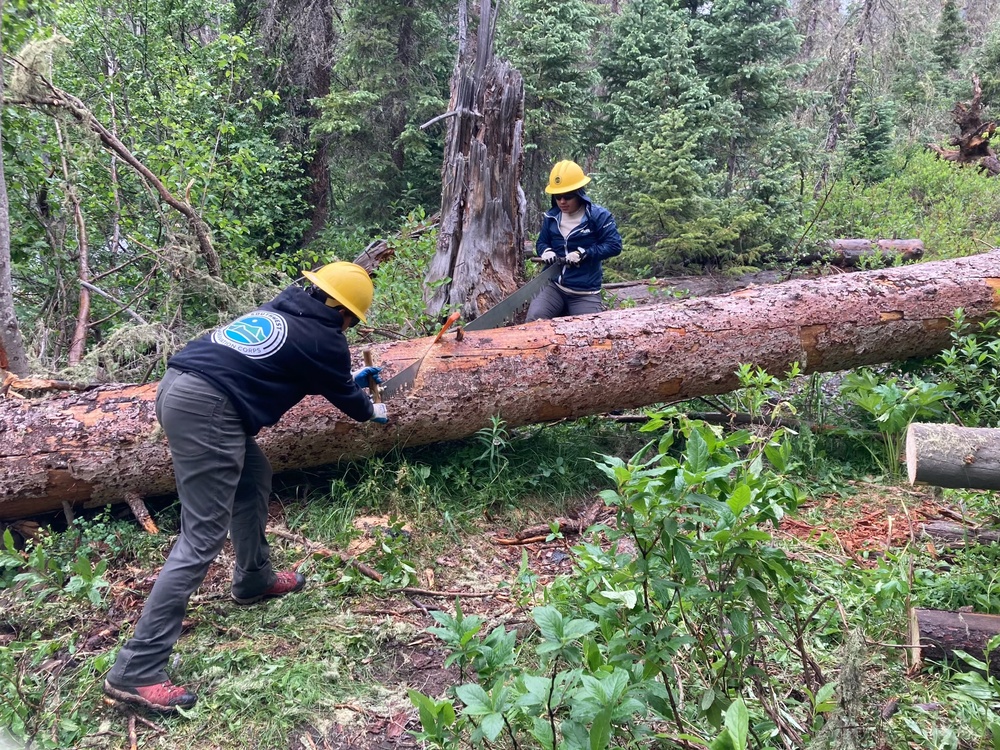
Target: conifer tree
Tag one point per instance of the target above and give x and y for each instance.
(951, 36)
(390, 76)
(552, 47)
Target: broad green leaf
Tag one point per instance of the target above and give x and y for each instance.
(738, 723)
(477, 701)
(600, 729)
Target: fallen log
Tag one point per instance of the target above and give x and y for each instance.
(947, 534)
(851, 253)
(939, 634)
(92, 448)
(948, 455)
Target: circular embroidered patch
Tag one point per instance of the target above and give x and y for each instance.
(256, 335)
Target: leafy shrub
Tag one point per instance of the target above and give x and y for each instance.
(682, 595)
(951, 208)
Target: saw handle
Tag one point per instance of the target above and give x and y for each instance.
(369, 359)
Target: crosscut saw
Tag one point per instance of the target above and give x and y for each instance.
(405, 378)
(504, 311)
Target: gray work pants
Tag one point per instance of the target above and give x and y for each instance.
(223, 481)
(552, 302)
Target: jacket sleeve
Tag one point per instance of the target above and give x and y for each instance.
(544, 239)
(353, 401)
(339, 388)
(607, 243)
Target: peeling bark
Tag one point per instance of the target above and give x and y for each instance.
(95, 447)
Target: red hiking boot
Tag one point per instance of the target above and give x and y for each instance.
(163, 696)
(287, 583)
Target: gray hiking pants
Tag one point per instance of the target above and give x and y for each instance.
(552, 302)
(224, 481)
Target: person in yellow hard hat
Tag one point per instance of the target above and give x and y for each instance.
(217, 393)
(579, 234)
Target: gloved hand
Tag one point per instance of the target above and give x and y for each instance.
(548, 255)
(361, 376)
(381, 415)
(575, 257)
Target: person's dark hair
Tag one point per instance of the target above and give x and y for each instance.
(318, 294)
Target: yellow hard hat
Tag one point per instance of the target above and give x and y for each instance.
(347, 283)
(565, 177)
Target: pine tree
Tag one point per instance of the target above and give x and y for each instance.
(552, 47)
(390, 76)
(951, 36)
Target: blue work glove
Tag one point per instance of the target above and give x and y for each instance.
(381, 415)
(575, 257)
(548, 255)
(361, 376)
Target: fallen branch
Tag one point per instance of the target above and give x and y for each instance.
(541, 532)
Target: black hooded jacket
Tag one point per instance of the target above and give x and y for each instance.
(268, 360)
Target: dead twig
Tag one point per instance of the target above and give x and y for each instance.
(318, 549)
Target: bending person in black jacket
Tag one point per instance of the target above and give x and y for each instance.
(217, 393)
(580, 234)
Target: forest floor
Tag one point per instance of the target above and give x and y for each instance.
(860, 523)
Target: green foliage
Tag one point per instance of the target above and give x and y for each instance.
(972, 366)
(892, 404)
(950, 208)
(389, 76)
(554, 54)
(702, 587)
(951, 36)
(54, 565)
(869, 150)
(692, 165)
(399, 284)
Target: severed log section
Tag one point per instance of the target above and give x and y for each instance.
(92, 448)
(939, 634)
(947, 455)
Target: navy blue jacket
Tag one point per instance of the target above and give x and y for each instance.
(270, 359)
(597, 235)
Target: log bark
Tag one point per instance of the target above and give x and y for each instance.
(947, 455)
(92, 448)
(940, 634)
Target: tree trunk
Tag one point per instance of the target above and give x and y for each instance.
(12, 354)
(940, 634)
(96, 446)
(947, 455)
(946, 534)
(482, 227)
(845, 91)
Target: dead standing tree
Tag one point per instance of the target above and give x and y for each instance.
(973, 139)
(481, 232)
